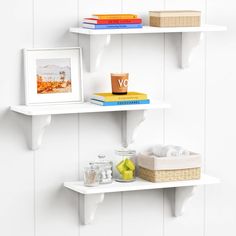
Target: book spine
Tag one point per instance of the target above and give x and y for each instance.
(112, 26)
(118, 16)
(119, 98)
(120, 21)
(121, 103)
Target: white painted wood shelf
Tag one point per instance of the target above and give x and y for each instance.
(92, 196)
(149, 30)
(86, 107)
(132, 116)
(139, 184)
(100, 39)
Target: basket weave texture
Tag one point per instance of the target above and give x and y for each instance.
(169, 175)
(181, 21)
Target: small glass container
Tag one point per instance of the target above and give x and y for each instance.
(91, 176)
(125, 165)
(105, 169)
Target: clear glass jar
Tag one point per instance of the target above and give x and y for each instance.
(125, 165)
(91, 176)
(105, 169)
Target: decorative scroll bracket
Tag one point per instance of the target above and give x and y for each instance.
(97, 45)
(190, 41)
(131, 120)
(88, 206)
(39, 124)
(182, 196)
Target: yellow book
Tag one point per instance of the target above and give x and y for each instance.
(109, 97)
(114, 16)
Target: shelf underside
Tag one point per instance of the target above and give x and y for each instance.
(83, 108)
(139, 184)
(149, 30)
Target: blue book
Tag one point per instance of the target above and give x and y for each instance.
(120, 103)
(112, 26)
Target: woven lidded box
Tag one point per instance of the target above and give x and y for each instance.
(163, 169)
(174, 18)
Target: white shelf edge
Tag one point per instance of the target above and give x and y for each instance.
(83, 108)
(149, 30)
(138, 185)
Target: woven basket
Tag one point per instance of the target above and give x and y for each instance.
(174, 18)
(169, 175)
(186, 21)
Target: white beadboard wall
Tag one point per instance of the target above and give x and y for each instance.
(32, 199)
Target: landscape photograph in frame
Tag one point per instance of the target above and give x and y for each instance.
(53, 75)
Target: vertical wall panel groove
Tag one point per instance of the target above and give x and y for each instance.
(34, 152)
(78, 121)
(205, 128)
(122, 71)
(34, 194)
(164, 115)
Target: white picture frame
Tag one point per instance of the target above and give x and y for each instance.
(53, 76)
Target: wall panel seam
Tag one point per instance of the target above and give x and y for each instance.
(34, 153)
(205, 122)
(164, 117)
(78, 141)
(78, 169)
(33, 23)
(163, 123)
(34, 191)
(122, 195)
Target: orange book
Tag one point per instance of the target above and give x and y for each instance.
(112, 21)
(114, 16)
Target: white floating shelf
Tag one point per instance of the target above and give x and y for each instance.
(149, 30)
(132, 117)
(139, 184)
(86, 107)
(92, 196)
(99, 39)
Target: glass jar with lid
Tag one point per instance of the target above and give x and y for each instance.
(105, 169)
(125, 165)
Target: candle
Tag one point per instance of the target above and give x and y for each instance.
(119, 83)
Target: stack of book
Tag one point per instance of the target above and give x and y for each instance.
(109, 99)
(112, 21)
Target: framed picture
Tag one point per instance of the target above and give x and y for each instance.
(53, 76)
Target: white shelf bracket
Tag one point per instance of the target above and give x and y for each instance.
(39, 124)
(88, 206)
(182, 196)
(98, 43)
(190, 41)
(131, 120)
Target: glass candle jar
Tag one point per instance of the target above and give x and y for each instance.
(125, 165)
(119, 83)
(105, 169)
